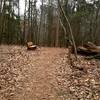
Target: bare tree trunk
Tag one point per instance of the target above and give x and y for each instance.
(71, 33)
(29, 12)
(57, 32)
(24, 28)
(96, 24)
(41, 24)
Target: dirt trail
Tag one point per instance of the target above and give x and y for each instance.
(36, 72)
(45, 74)
(42, 79)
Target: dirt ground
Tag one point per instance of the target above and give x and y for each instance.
(45, 74)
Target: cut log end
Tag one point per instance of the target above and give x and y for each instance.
(30, 46)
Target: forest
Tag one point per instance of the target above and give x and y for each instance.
(49, 49)
(46, 25)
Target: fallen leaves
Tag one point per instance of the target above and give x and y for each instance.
(47, 74)
(80, 84)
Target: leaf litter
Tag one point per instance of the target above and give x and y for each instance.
(46, 74)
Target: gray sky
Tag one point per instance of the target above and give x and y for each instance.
(22, 5)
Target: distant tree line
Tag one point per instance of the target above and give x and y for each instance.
(9, 21)
(46, 26)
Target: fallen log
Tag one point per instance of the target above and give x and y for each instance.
(30, 46)
(85, 51)
(93, 57)
(92, 47)
(89, 49)
(89, 45)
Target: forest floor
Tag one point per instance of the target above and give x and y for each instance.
(46, 74)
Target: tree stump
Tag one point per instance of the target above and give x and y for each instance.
(30, 46)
